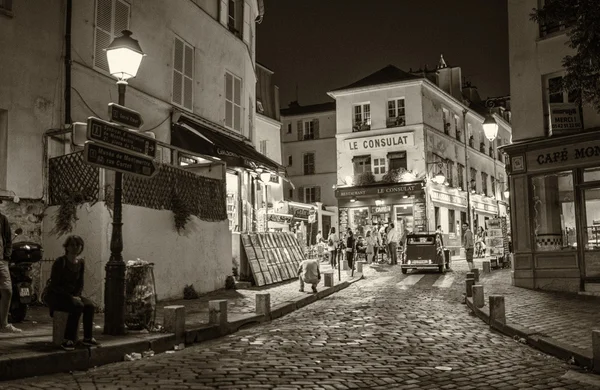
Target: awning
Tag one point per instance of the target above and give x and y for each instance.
(195, 137)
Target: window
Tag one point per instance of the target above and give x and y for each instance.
(290, 160)
(446, 121)
(259, 107)
(461, 176)
(470, 135)
(450, 173)
(362, 117)
(112, 17)
(473, 180)
(362, 164)
(554, 220)
(484, 182)
(289, 128)
(436, 216)
(235, 17)
(263, 147)
(309, 163)
(451, 221)
(291, 193)
(378, 166)
(562, 113)
(312, 194)
(233, 102)
(183, 74)
(309, 130)
(456, 129)
(396, 113)
(397, 160)
(493, 185)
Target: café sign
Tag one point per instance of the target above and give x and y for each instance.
(384, 141)
(563, 157)
(402, 189)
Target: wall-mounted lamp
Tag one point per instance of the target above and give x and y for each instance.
(438, 177)
(490, 127)
(353, 200)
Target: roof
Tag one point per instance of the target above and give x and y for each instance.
(313, 108)
(389, 74)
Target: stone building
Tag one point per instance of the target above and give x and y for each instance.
(554, 163)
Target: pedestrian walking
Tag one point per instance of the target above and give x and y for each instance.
(392, 239)
(468, 244)
(5, 281)
(64, 293)
(371, 246)
(332, 244)
(309, 272)
(350, 243)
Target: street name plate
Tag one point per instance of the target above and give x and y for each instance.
(110, 134)
(125, 116)
(117, 160)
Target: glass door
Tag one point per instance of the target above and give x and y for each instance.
(591, 233)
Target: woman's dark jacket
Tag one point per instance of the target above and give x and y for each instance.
(66, 279)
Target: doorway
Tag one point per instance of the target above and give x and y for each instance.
(590, 237)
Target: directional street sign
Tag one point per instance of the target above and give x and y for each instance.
(117, 160)
(125, 116)
(113, 135)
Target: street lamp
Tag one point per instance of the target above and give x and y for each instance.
(124, 56)
(439, 177)
(490, 128)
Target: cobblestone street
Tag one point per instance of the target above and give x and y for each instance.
(389, 331)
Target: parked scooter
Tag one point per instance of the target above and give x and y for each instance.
(24, 254)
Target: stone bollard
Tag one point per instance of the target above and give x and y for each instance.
(478, 295)
(596, 351)
(345, 265)
(497, 311)
(359, 266)
(174, 321)
(475, 272)
(470, 275)
(469, 284)
(217, 312)
(59, 323)
(486, 267)
(263, 304)
(328, 279)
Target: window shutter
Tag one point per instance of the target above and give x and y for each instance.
(300, 131)
(121, 17)
(188, 79)
(316, 128)
(224, 12)
(317, 194)
(103, 32)
(178, 72)
(301, 194)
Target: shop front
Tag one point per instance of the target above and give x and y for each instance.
(555, 212)
(364, 208)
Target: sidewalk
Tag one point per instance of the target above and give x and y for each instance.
(558, 323)
(33, 349)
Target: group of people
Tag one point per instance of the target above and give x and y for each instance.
(64, 291)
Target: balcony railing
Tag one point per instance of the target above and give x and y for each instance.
(361, 126)
(395, 122)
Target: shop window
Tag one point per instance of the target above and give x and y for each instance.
(309, 163)
(554, 224)
(397, 160)
(591, 238)
(451, 221)
(591, 174)
(362, 164)
(378, 166)
(358, 220)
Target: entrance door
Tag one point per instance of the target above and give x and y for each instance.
(590, 237)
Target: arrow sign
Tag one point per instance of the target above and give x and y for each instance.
(117, 160)
(112, 135)
(125, 116)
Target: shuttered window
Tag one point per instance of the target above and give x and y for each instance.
(112, 17)
(233, 102)
(183, 75)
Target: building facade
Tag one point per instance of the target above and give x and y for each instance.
(396, 131)
(554, 163)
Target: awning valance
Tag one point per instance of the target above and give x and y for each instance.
(195, 137)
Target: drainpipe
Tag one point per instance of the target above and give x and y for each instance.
(68, 119)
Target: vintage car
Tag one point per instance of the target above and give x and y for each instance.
(423, 251)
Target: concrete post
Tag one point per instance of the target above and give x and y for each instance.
(478, 295)
(475, 272)
(596, 351)
(486, 267)
(174, 321)
(217, 312)
(470, 275)
(469, 284)
(497, 311)
(359, 266)
(328, 279)
(263, 304)
(345, 265)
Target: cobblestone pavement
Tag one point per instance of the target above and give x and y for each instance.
(390, 331)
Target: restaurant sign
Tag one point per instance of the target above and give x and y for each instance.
(565, 117)
(403, 189)
(564, 157)
(384, 141)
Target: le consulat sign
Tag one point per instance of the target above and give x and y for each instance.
(384, 141)
(400, 188)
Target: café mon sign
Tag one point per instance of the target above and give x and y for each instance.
(384, 141)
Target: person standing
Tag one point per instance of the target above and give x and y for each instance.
(393, 238)
(308, 272)
(468, 245)
(332, 244)
(5, 281)
(350, 242)
(371, 246)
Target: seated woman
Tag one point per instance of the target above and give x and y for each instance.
(64, 293)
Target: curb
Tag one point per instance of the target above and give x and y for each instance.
(535, 339)
(54, 361)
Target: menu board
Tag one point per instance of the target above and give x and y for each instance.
(343, 218)
(273, 257)
(495, 241)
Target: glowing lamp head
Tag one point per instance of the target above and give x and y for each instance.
(124, 56)
(490, 127)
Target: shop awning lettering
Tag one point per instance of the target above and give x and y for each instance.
(381, 142)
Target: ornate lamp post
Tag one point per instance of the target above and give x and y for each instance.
(490, 128)
(124, 56)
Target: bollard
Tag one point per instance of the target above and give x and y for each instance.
(497, 311)
(174, 321)
(470, 275)
(475, 272)
(359, 266)
(345, 265)
(478, 295)
(596, 351)
(328, 279)
(217, 312)
(469, 284)
(486, 267)
(263, 304)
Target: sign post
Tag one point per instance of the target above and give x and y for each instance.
(113, 135)
(117, 160)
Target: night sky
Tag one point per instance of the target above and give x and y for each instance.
(324, 44)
